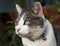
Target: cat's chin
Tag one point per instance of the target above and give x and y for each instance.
(33, 39)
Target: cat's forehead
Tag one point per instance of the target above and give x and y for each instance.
(31, 15)
(27, 14)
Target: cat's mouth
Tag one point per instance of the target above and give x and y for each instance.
(33, 34)
(29, 36)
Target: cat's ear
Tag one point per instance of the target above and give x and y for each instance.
(19, 9)
(37, 9)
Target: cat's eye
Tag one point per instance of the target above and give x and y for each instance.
(16, 22)
(27, 22)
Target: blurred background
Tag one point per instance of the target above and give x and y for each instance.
(8, 15)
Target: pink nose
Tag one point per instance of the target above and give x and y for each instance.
(18, 30)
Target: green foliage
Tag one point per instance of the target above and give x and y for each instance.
(52, 20)
(8, 36)
(54, 7)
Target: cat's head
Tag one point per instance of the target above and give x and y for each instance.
(30, 24)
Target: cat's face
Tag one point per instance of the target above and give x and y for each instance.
(30, 24)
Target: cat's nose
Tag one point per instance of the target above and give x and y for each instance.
(18, 30)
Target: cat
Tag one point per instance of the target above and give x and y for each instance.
(33, 27)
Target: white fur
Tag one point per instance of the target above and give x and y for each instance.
(49, 35)
(50, 41)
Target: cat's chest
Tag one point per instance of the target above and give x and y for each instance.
(27, 42)
(48, 42)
